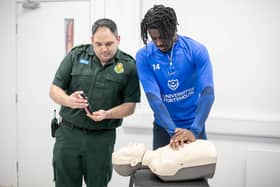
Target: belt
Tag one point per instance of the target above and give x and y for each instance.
(73, 126)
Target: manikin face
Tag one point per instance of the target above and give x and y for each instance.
(105, 44)
(157, 39)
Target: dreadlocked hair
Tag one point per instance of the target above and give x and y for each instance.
(161, 18)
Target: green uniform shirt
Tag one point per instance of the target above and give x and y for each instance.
(106, 86)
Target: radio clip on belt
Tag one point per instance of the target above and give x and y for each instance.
(54, 124)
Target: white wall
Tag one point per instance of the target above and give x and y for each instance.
(243, 41)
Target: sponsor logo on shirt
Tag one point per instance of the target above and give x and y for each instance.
(119, 68)
(170, 98)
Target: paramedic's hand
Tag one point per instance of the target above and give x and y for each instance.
(76, 101)
(181, 137)
(98, 115)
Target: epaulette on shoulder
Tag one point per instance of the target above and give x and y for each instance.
(79, 47)
(128, 57)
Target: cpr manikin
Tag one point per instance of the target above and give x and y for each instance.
(194, 160)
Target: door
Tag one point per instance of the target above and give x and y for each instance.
(7, 94)
(41, 45)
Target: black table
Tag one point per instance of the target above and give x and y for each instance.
(145, 178)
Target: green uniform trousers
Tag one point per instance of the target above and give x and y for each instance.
(82, 154)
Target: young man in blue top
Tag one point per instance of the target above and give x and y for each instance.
(176, 74)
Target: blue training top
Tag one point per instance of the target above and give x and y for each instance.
(173, 83)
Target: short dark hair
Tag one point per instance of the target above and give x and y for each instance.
(105, 22)
(163, 19)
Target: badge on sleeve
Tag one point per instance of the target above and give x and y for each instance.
(119, 68)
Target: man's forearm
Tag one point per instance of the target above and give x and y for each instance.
(161, 111)
(203, 109)
(58, 95)
(121, 111)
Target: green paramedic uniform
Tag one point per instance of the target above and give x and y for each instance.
(84, 147)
